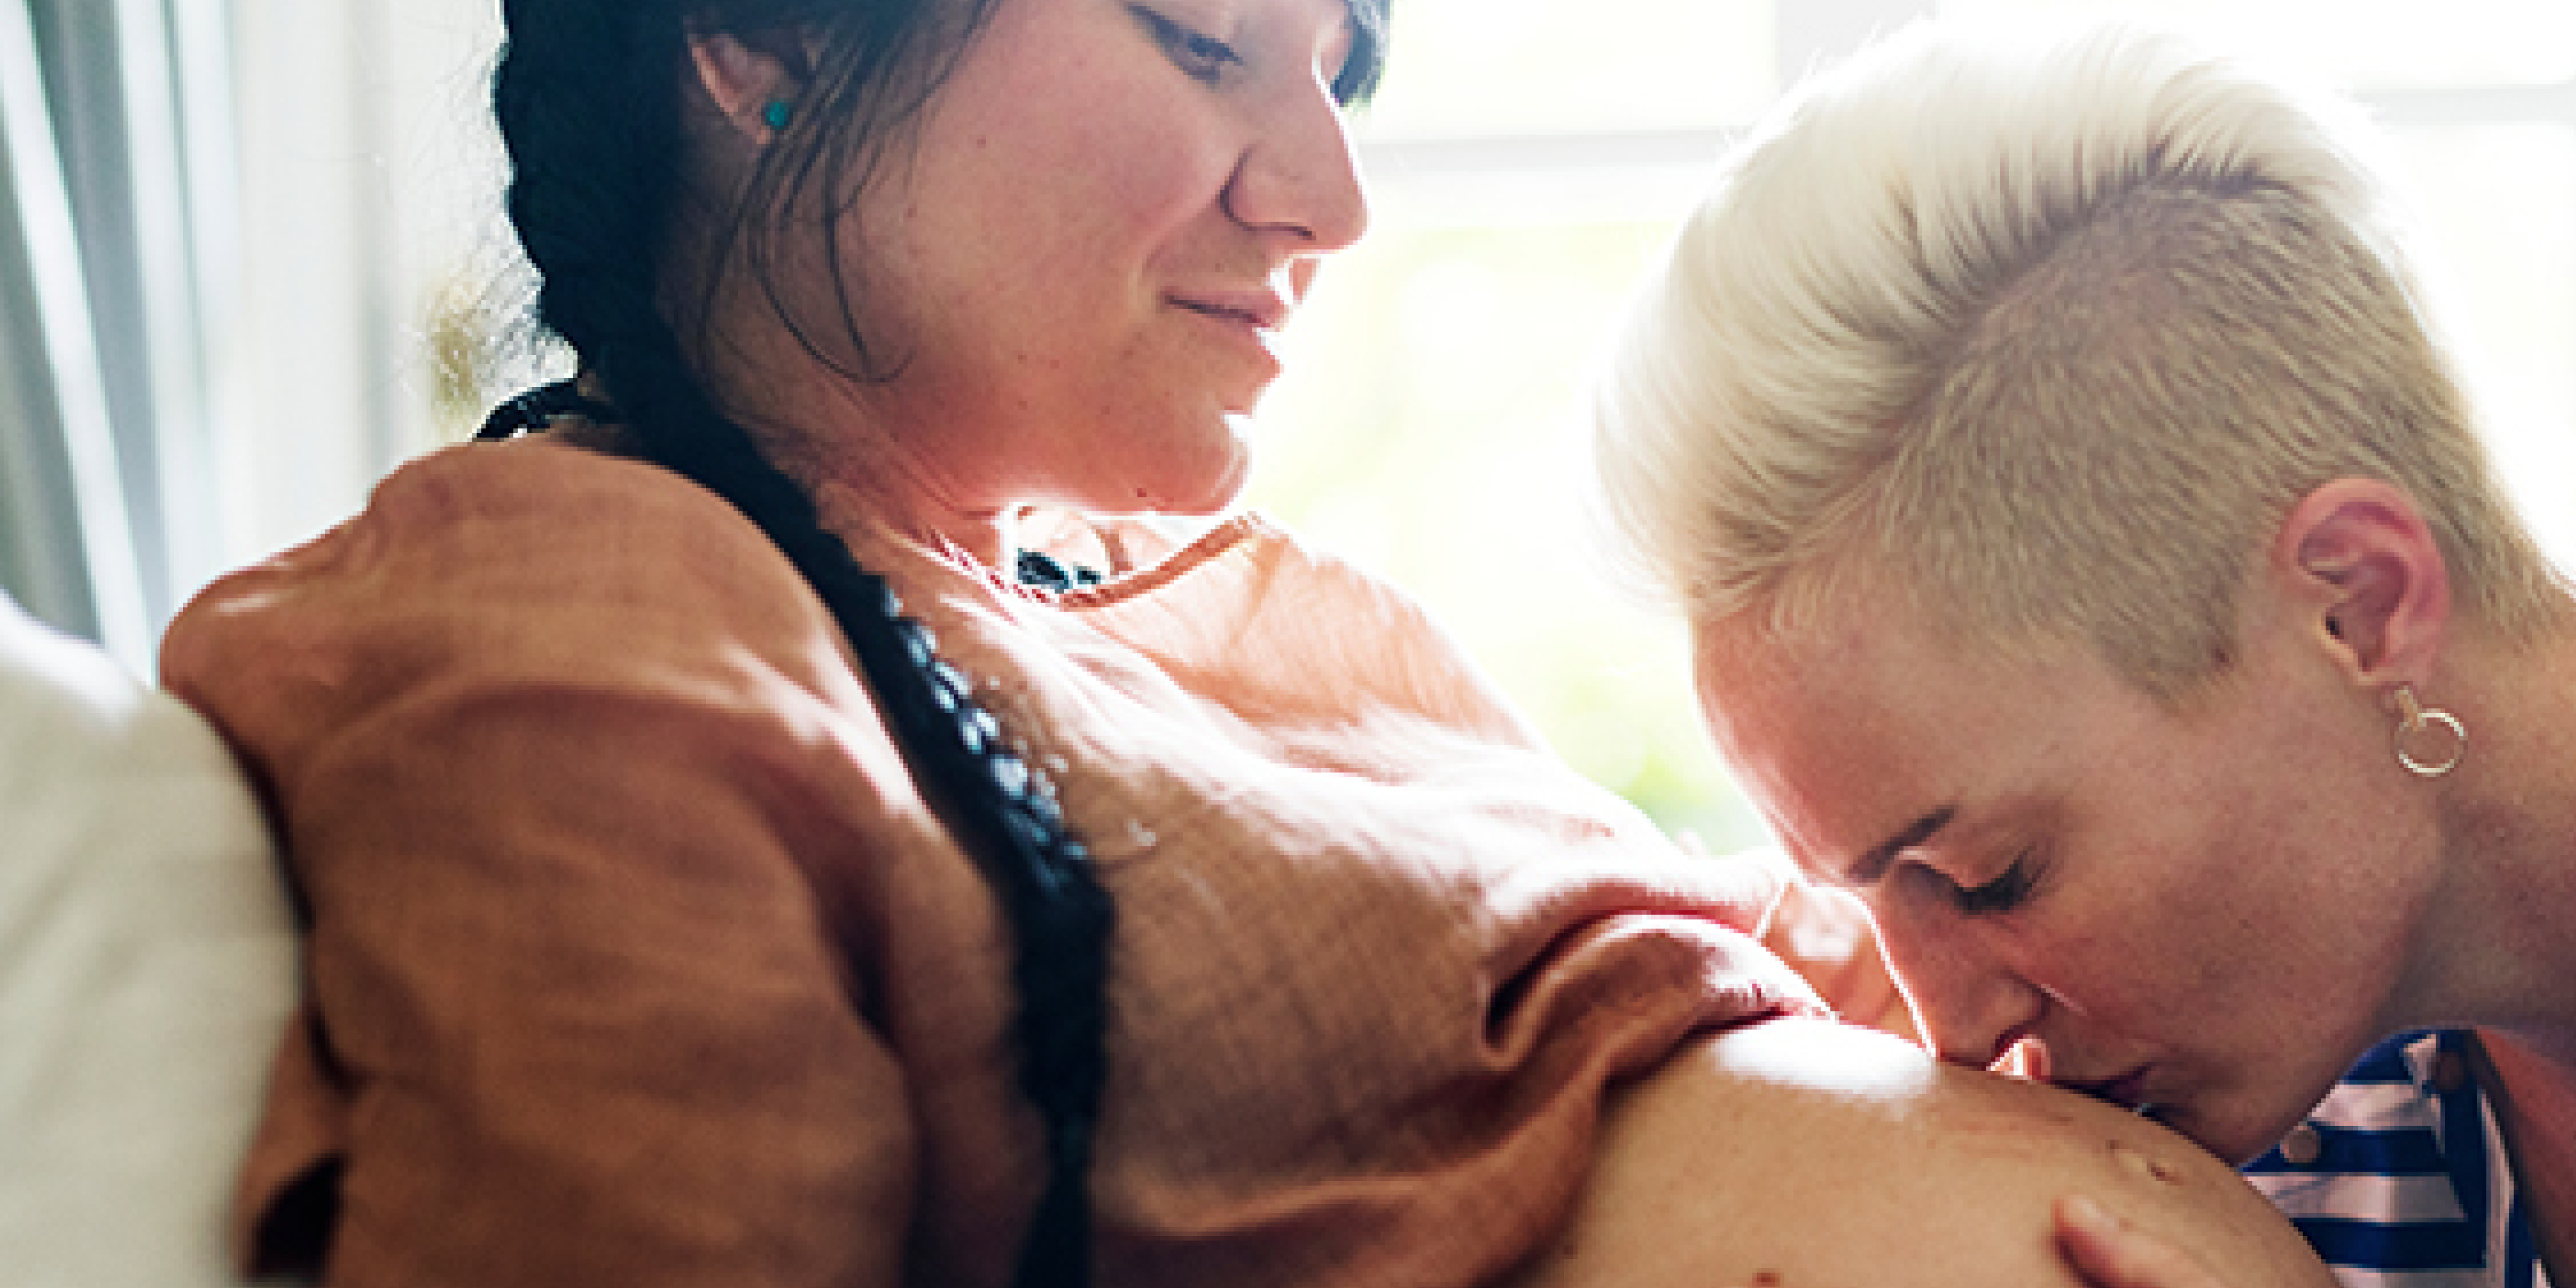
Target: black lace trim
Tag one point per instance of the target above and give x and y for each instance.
(1039, 570)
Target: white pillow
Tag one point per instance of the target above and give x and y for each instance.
(147, 970)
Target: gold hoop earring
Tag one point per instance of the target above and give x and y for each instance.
(2417, 726)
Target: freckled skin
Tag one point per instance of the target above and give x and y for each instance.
(1082, 301)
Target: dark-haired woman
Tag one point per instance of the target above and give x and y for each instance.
(732, 858)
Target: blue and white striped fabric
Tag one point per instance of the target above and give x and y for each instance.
(2399, 1179)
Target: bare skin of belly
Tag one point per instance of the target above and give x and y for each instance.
(1802, 1154)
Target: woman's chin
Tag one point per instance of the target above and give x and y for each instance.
(2238, 1133)
(1205, 478)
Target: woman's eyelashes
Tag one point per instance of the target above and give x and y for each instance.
(2007, 891)
(1202, 57)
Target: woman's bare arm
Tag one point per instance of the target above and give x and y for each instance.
(1802, 1154)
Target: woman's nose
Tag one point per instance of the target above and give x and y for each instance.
(1300, 175)
(1972, 1011)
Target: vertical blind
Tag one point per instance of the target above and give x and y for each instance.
(114, 243)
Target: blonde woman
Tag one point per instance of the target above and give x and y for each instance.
(2093, 561)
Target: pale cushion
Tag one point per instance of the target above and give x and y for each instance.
(147, 968)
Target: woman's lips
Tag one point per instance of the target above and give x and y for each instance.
(1259, 308)
(2127, 1091)
(1250, 327)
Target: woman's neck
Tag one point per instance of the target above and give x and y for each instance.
(876, 491)
(825, 428)
(2501, 949)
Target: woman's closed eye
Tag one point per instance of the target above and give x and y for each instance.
(2007, 891)
(1202, 56)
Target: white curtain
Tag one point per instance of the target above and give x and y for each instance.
(116, 240)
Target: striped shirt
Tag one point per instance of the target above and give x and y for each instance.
(2398, 1177)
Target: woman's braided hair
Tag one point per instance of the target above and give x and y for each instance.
(587, 98)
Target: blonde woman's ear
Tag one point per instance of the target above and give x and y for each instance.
(2360, 554)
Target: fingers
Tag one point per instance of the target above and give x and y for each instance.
(2112, 1253)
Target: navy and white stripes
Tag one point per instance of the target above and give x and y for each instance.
(2399, 1179)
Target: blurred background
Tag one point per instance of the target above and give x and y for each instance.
(250, 259)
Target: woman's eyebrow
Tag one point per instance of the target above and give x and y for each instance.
(1877, 859)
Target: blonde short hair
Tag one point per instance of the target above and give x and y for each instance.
(2051, 332)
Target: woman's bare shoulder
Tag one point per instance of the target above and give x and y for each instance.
(1801, 1153)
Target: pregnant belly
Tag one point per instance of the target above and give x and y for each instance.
(1798, 1152)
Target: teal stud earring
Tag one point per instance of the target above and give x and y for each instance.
(777, 114)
